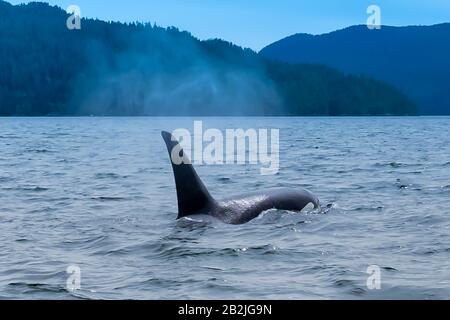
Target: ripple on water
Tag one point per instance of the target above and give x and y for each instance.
(27, 189)
(109, 175)
(109, 199)
(113, 212)
(27, 288)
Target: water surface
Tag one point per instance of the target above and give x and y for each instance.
(99, 193)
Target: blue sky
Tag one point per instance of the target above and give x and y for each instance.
(256, 23)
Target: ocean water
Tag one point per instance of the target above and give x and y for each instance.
(99, 194)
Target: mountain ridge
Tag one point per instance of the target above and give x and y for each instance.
(412, 58)
(112, 68)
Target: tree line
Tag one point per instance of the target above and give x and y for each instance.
(111, 68)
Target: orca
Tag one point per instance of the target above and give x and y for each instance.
(194, 198)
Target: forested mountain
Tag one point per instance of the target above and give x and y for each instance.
(415, 59)
(110, 68)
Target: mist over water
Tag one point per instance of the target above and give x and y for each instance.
(158, 70)
(99, 193)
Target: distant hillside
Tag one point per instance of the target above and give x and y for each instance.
(140, 69)
(414, 59)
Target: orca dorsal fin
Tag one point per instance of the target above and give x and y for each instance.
(193, 197)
